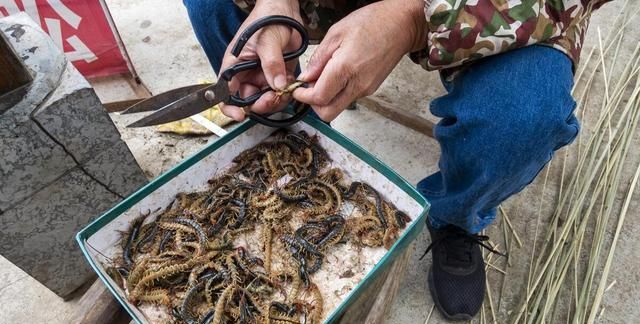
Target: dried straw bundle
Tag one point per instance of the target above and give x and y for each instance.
(571, 264)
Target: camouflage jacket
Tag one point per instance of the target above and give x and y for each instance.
(460, 31)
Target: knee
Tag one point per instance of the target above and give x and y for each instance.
(551, 123)
(541, 101)
(547, 120)
(565, 125)
(517, 106)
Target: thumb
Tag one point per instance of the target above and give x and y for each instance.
(271, 60)
(319, 59)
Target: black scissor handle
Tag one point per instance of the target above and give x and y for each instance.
(303, 110)
(255, 64)
(235, 100)
(252, 29)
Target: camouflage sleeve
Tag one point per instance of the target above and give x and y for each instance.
(463, 31)
(459, 32)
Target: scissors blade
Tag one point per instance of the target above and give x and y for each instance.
(161, 100)
(187, 106)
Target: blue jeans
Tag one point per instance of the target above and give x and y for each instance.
(502, 120)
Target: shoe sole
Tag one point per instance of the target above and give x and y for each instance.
(436, 301)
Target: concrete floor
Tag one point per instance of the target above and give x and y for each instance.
(166, 54)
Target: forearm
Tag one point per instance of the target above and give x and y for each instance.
(414, 22)
(419, 25)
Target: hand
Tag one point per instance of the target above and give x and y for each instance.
(359, 52)
(268, 44)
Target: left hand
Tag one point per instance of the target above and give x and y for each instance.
(267, 44)
(359, 52)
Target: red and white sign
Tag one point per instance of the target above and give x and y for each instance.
(80, 27)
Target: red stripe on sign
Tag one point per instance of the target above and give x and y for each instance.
(81, 28)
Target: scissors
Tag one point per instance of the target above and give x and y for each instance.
(187, 101)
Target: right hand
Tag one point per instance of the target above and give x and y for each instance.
(268, 44)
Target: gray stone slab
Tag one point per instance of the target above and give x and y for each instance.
(74, 116)
(38, 235)
(62, 163)
(29, 161)
(117, 169)
(41, 56)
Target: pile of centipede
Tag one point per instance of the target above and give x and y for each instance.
(192, 256)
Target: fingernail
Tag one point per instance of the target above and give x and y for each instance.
(239, 115)
(280, 82)
(302, 76)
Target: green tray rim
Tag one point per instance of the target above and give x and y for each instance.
(405, 239)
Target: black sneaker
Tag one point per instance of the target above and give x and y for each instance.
(457, 275)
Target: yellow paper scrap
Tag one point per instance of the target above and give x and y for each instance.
(188, 126)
